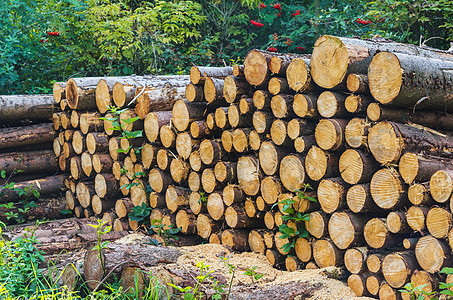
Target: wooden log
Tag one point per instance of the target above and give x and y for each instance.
(47, 186)
(236, 217)
(378, 236)
(185, 112)
(271, 188)
(269, 220)
(320, 164)
(274, 257)
(138, 192)
(198, 75)
(256, 241)
(303, 143)
(159, 180)
(164, 158)
(79, 142)
(186, 221)
(270, 157)
(17, 109)
(358, 83)
(439, 222)
(225, 171)
(441, 185)
(90, 122)
(85, 191)
(238, 70)
(59, 91)
(396, 222)
(97, 142)
(211, 152)
(234, 88)
(416, 217)
(250, 208)
(236, 119)
(357, 166)
(305, 106)
(56, 121)
(329, 134)
(334, 58)
(194, 93)
(332, 105)
(210, 121)
(281, 106)
(387, 141)
(292, 173)
(374, 262)
(387, 292)
(166, 217)
(326, 254)
(206, 226)
(410, 243)
(415, 167)
(123, 207)
(65, 120)
(246, 106)
(128, 167)
(279, 134)
(278, 85)
(232, 194)
(185, 144)
(387, 189)
(332, 194)
(29, 162)
(194, 181)
(199, 129)
(195, 161)
(300, 127)
(80, 93)
(359, 199)
(317, 225)
(240, 139)
(221, 118)
(255, 140)
(357, 283)
(355, 259)
(262, 121)
(346, 229)
(262, 100)
(227, 140)
(357, 104)
(303, 250)
(34, 135)
(157, 99)
(208, 181)
(176, 197)
(409, 80)
(256, 69)
(280, 63)
(100, 206)
(153, 123)
(213, 91)
(179, 170)
(293, 264)
(373, 283)
(157, 200)
(56, 146)
(423, 278)
(86, 164)
(397, 267)
(298, 75)
(195, 203)
(356, 133)
(249, 175)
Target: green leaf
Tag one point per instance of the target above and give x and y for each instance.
(3, 173)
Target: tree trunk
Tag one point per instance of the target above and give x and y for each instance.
(411, 81)
(236, 239)
(432, 254)
(48, 208)
(320, 164)
(355, 260)
(30, 162)
(262, 121)
(326, 254)
(40, 135)
(359, 199)
(418, 168)
(378, 236)
(185, 144)
(102, 163)
(416, 216)
(80, 93)
(357, 104)
(157, 200)
(332, 105)
(17, 109)
(176, 197)
(262, 100)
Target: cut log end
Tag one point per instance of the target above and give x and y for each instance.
(385, 77)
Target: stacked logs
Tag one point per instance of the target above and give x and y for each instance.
(345, 120)
(29, 185)
(106, 170)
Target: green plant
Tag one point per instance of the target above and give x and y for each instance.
(203, 198)
(231, 270)
(140, 214)
(101, 230)
(194, 293)
(292, 216)
(254, 275)
(417, 292)
(166, 232)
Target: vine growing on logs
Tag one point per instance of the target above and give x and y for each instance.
(294, 227)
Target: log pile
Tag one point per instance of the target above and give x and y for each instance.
(346, 120)
(28, 165)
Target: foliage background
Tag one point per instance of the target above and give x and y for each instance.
(43, 41)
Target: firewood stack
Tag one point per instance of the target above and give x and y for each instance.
(26, 159)
(366, 124)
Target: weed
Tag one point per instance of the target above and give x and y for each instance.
(254, 275)
(166, 232)
(101, 230)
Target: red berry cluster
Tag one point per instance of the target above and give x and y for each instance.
(363, 22)
(256, 24)
(272, 49)
(296, 13)
(53, 33)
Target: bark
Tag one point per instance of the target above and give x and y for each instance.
(157, 99)
(105, 185)
(97, 142)
(40, 135)
(18, 109)
(30, 162)
(411, 81)
(236, 239)
(194, 93)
